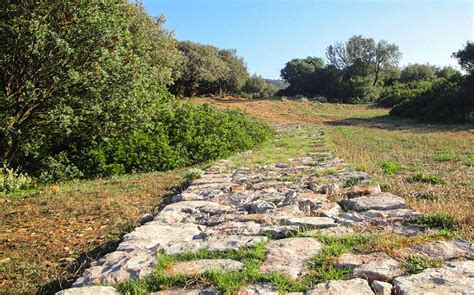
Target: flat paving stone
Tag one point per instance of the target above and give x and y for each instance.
(310, 222)
(289, 256)
(195, 267)
(342, 287)
(383, 201)
(374, 266)
(455, 278)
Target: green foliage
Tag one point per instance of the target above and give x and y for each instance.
(416, 264)
(83, 94)
(390, 167)
(417, 72)
(449, 100)
(257, 87)
(208, 70)
(425, 178)
(11, 180)
(193, 174)
(429, 196)
(443, 221)
(400, 92)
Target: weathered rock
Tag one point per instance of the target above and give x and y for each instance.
(456, 278)
(259, 289)
(196, 267)
(97, 290)
(146, 218)
(383, 201)
(279, 231)
(190, 212)
(374, 266)
(349, 287)
(289, 256)
(331, 210)
(214, 244)
(222, 243)
(329, 189)
(382, 288)
(186, 196)
(156, 236)
(390, 215)
(445, 250)
(248, 228)
(117, 267)
(310, 222)
(259, 207)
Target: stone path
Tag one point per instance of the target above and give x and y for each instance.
(239, 208)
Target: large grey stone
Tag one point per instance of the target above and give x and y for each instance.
(156, 236)
(289, 256)
(117, 267)
(445, 250)
(97, 290)
(310, 222)
(215, 244)
(383, 201)
(248, 228)
(455, 278)
(382, 288)
(190, 212)
(348, 287)
(183, 291)
(195, 267)
(374, 266)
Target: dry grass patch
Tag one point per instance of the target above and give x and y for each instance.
(48, 236)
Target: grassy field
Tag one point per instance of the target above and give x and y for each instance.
(49, 235)
(431, 166)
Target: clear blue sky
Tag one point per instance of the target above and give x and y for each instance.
(268, 33)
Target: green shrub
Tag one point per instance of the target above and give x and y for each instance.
(436, 220)
(11, 180)
(415, 264)
(400, 92)
(193, 174)
(424, 178)
(389, 167)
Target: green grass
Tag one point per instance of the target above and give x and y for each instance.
(445, 158)
(436, 220)
(416, 264)
(390, 167)
(426, 178)
(291, 144)
(428, 196)
(320, 267)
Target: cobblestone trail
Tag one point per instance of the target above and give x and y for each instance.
(238, 208)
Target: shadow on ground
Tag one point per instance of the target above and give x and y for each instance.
(388, 122)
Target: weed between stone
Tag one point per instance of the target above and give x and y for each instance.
(416, 264)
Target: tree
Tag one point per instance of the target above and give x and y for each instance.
(76, 73)
(300, 74)
(465, 57)
(416, 72)
(257, 87)
(361, 56)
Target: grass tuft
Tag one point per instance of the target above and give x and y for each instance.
(425, 178)
(436, 220)
(390, 167)
(416, 264)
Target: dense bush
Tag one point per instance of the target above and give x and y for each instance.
(257, 87)
(400, 92)
(444, 102)
(83, 94)
(451, 97)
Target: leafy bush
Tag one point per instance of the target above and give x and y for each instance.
(436, 220)
(11, 180)
(432, 179)
(400, 92)
(97, 103)
(416, 264)
(390, 167)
